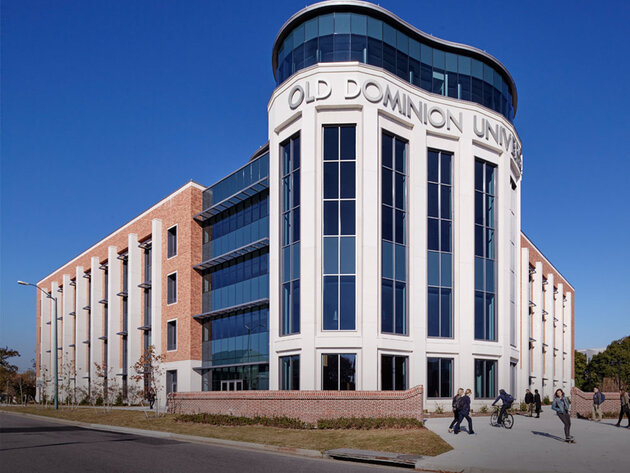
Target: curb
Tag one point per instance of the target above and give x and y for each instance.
(303, 452)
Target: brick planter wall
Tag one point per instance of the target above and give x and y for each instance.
(309, 406)
(582, 403)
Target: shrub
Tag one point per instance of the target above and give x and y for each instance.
(484, 409)
(119, 399)
(369, 423)
(99, 401)
(221, 419)
(523, 407)
(546, 401)
(439, 409)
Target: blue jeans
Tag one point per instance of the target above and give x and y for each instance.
(459, 421)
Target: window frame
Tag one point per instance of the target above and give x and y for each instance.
(485, 385)
(291, 357)
(169, 279)
(168, 241)
(451, 382)
(394, 356)
(169, 323)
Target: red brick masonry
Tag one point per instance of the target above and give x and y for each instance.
(309, 406)
(582, 403)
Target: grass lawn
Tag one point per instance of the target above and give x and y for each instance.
(412, 441)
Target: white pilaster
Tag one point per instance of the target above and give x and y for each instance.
(156, 296)
(46, 342)
(96, 318)
(134, 308)
(114, 325)
(525, 322)
(82, 325)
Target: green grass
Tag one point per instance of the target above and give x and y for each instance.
(417, 440)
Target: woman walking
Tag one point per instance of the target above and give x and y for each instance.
(460, 393)
(464, 411)
(561, 406)
(538, 403)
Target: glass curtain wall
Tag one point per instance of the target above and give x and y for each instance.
(339, 243)
(394, 234)
(485, 253)
(440, 244)
(290, 157)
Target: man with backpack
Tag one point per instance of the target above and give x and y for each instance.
(598, 400)
(507, 399)
(456, 408)
(529, 402)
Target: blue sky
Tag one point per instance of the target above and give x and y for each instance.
(143, 96)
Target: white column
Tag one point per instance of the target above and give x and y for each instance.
(549, 307)
(114, 324)
(526, 365)
(156, 297)
(96, 318)
(46, 341)
(568, 337)
(81, 335)
(54, 287)
(67, 336)
(537, 328)
(134, 308)
(558, 335)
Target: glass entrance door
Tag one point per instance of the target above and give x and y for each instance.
(232, 385)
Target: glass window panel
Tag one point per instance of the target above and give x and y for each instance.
(490, 281)
(445, 237)
(331, 309)
(389, 58)
(387, 306)
(310, 29)
(445, 204)
(463, 64)
(479, 208)
(342, 22)
(401, 305)
(296, 224)
(286, 306)
(347, 255)
(433, 311)
(331, 180)
(387, 150)
(389, 35)
(489, 243)
(326, 50)
(331, 218)
(296, 153)
(433, 202)
(326, 25)
(347, 372)
(433, 234)
(401, 263)
(387, 259)
(296, 189)
(479, 240)
(387, 187)
(298, 36)
(331, 255)
(433, 377)
(426, 55)
(489, 179)
(358, 48)
(286, 263)
(446, 168)
(479, 315)
(400, 382)
(286, 193)
(477, 69)
(479, 274)
(347, 302)
(446, 276)
(400, 191)
(330, 372)
(490, 211)
(347, 217)
(295, 250)
(400, 227)
(374, 28)
(286, 228)
(387, 223)
(414, 49)
(387, 368)
(446, 376)
(401, 149)
(488, 75)
(296, 307)
(445, 313)
(358, 24)
(331, 143)
(433, 268)
(341, 47)
(433, 166)
(348, 142)
(375, 52)
(347, 180)
(451, 62)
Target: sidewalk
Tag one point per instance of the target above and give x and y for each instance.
(532, 445)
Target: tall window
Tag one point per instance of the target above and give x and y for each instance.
(440, 244)
(339, 371)
(394, 373)
(394, 235)
(172, 242)
(485, 253)
(290, 373)
(171, 286)
(339, 227)
(290, 155)
(439, 377)
(485, 379)
(171, 335)
(171, 381)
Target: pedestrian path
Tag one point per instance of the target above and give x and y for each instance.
(532, 445)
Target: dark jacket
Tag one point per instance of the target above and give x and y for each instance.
(503, 396)
(597, 398)
(464, 408)
(529, 398)
(455, 399)
(538, 401)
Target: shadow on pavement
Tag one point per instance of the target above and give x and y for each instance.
(548, 435)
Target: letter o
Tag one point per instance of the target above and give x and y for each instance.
(441, 112)
(293, 104)
(373, 98)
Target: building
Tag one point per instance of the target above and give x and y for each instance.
(591, 352)
(374, 243)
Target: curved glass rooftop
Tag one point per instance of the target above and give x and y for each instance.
(334, 31)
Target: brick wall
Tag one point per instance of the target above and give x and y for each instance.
(582, 403)
(309, 406)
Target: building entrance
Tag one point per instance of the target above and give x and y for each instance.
(232, 385)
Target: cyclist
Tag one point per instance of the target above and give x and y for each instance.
(507, 399)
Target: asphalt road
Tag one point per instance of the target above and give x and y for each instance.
(33, 445)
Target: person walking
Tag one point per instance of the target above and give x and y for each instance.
(598, 400)
(624, 400)
(529, 402)
(507, 400)
(561, 405)
(460, 393)
(538, 403)
(464, 413)
(151, 398)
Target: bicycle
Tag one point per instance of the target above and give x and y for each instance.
(508, 419)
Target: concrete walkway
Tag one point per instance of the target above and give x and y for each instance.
(533, 445)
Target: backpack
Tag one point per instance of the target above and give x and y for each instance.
(459, 403)
(602, 397)
(509, 399)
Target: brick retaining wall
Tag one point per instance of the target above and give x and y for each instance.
(309, 406)
(582, 403)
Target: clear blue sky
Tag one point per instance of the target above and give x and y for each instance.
(142, 96)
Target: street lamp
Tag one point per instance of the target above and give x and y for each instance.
(56, 355)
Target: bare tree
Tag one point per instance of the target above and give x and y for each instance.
(149, 371)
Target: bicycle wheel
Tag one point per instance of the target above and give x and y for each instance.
(508, 421)
(494, 418)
